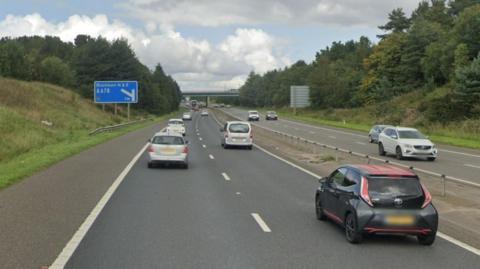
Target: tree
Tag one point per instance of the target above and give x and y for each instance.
(467, 87)
(397, 23)
(54, 70)
(457, 6)
(467, 29)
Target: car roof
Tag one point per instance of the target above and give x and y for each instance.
(383, 170)
(167, 133)
(236, 122)
(175, 120)
(405, 129)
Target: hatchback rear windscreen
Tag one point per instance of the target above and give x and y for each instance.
(388, 188)
(239, 128)
(167, 140)
(174, 122)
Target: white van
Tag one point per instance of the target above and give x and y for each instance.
(237, 133)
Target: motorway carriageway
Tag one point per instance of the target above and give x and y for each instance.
(452, 161)
(232, 208)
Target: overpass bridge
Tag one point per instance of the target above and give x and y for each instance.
(208, 94)
(211, 93)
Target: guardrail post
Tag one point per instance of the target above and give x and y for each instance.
(336, 154)
(444, 187)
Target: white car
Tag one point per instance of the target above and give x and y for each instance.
(204, 112)
(165, 147)
(237, 133)
(253, 115)
(176, 126)
(406, 142)
(187, 116)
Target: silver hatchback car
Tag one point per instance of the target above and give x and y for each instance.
(167, 148)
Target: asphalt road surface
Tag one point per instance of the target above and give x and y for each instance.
(452, 161)
(235, 208)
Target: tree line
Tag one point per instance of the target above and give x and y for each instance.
(436, 46)
(78, 64)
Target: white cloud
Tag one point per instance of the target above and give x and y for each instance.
(196, 64)
(252, 12)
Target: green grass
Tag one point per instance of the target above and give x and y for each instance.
(27, 145)
(461, 134)
(39, 159)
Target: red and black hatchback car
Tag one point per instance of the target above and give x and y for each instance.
(377, 199)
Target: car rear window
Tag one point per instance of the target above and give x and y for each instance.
(411, 135)
(384, 187)
(175, 122)
(168, 140)
(239, 128)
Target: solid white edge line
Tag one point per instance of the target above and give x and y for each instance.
(211, 156)
(472, 166)
(440, 234)
(261, 223)
(457, 152)
(459, 243)
(72, 245)
(226, 177)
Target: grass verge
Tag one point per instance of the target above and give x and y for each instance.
(26, 164)
(436, 136)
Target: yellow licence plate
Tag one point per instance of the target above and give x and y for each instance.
(400, 220)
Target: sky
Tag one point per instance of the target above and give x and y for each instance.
(206, 44)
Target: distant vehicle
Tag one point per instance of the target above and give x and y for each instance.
(377, 199)
(222, 105)
(187, 116)
(406, 142)
(216, 106)
(228, 106)
(204, 113)
(271, 115)
(237, 133)
(167, 148)
(253, 115)
(375, 131)
(177, 126)
(194, 105)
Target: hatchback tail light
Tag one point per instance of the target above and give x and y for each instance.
(428, 196)
(364, 192)
(226, 135)
(150, 149)
(185, 150)
(251, 134)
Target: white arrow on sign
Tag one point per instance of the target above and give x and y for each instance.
(129, 94)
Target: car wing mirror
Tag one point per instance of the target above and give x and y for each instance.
(149, 140)
(187, 142)
(221, 129)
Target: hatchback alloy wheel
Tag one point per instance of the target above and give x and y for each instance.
(351, 233)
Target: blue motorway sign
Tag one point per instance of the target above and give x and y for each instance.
(116, 92)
